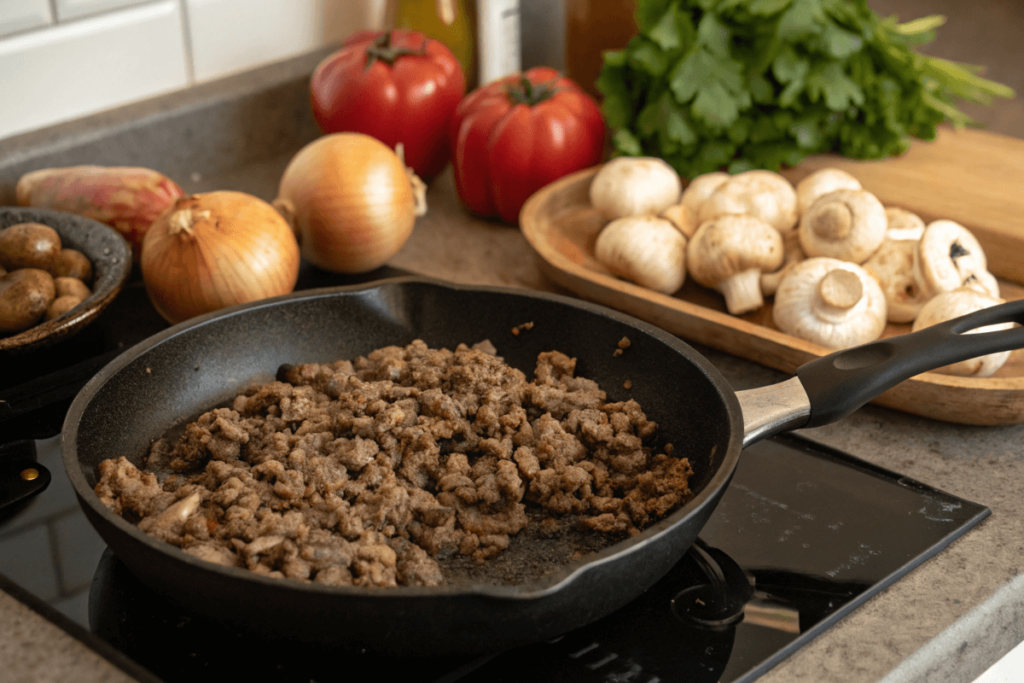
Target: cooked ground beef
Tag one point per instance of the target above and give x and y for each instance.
(367, 472)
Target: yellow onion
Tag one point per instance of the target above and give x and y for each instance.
(214, 250)
(351, 201)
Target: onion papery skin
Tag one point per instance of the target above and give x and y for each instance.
(351, 200)
(239, 249)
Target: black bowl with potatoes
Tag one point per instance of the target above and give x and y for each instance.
(24, 287)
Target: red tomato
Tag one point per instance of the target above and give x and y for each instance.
(514, 136)
(398, 86)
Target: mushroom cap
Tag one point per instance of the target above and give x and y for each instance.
(844, 224)
(701, 187)
(833, 303)
(893, 267)
(903, 224)
(948, 256)
(683, 217)
(648, 250)
(764, 194)
(730, 244)
(822, 182)
(634, 186)
(953, 304)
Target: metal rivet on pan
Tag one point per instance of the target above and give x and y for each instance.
(30, 474)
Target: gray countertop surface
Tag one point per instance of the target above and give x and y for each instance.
(948, 620)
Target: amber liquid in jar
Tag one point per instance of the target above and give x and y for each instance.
(591, 27)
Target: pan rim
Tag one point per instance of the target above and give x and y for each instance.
(549, 584)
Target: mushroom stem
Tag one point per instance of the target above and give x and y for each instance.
(840, 289)
(742, 291)
(833, 221)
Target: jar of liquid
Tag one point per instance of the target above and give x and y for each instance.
(591, 28)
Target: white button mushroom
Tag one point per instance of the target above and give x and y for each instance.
(893, 265)
(683, 217)
(834, 303)
(763, 194)
(845, 224)
(903, 224)
(822, 182)
(793, 253)
(649, 251)
(729, 254)
(701, 187)
(685, 214)
(948, 257)
(634, 186)
(953, 304)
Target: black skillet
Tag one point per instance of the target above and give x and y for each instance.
(180, 373)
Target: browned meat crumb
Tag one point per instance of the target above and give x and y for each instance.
(623, 344)
(366, 472)
(524, 326)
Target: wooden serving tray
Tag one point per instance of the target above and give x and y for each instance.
(561, 225)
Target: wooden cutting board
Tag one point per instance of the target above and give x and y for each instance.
(972, 177)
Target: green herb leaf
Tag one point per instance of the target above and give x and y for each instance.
(666, 32)
(627, 143)
(768, 7)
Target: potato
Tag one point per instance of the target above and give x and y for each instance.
(25, 295)
(71, 286)
(29, 245)
(72, 263)
(60, 306)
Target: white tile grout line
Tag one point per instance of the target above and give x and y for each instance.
(186, 37)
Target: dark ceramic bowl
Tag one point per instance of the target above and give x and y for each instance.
(111, 258)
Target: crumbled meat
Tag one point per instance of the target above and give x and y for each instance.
(366, 472)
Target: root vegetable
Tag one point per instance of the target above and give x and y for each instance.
(60, 306)
(127, 199)
(29, 245)
(25, 294)
(72, 263)
(71, 286)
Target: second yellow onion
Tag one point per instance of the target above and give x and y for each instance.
(351, 201)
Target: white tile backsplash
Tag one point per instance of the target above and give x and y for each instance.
(74, 9)
(261, 31)
(97, 54)
(85, 66)
(21, 15)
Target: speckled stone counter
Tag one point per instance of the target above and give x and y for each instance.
(947, 620)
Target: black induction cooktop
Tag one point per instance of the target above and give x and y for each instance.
(803, 536)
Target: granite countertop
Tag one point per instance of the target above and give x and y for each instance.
(948, 620)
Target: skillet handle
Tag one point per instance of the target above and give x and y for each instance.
(841, 382)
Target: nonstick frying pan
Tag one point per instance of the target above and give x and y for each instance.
(190, 368)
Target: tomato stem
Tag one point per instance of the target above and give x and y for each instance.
(383, 50)
(524, 91)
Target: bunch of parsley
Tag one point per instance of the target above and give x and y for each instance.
(742, 84)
